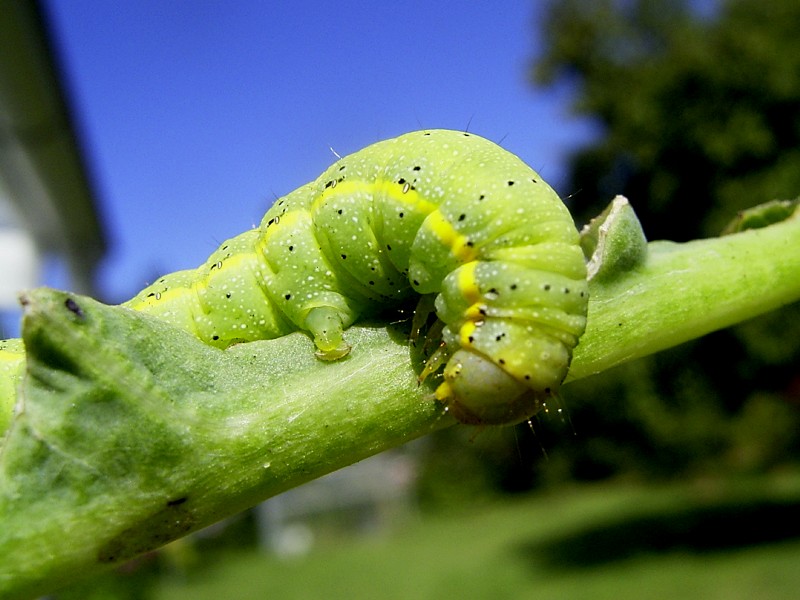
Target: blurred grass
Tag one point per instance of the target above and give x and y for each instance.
(705, 539)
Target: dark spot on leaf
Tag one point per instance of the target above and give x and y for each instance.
(73, 307)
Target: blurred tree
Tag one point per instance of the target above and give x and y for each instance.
(700, 111)
(699, 105)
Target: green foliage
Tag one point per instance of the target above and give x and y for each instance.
(700, 117)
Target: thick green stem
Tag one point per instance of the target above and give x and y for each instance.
(678, 292)
(131, 433)
(135, 433)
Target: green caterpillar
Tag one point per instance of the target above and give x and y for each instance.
(430, 212)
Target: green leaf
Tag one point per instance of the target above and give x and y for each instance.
(133, 433)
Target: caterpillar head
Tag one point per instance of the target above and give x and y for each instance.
(477, 391)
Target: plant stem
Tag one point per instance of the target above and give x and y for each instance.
(132, 433)
(684, 291)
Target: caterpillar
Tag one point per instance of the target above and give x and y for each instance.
(435, 212)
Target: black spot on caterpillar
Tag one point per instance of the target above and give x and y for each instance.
(438, 212)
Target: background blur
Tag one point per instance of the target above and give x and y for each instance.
(677, 474)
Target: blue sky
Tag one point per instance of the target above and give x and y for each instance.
(196, 115)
